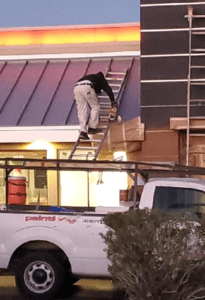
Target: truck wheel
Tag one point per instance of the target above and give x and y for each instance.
(39, 276)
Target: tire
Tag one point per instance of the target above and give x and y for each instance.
(39, 276)
(68, 287)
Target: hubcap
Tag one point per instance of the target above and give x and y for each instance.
(39, 277)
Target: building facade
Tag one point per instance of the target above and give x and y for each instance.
(38, 117)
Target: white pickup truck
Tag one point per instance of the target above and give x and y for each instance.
(43, 248)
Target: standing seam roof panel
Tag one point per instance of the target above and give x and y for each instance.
(63, 100)
(8, 79)
(21, 94)
(40, 101)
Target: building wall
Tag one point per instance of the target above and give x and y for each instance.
(16, 50)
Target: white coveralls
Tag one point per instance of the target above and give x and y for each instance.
(85, 96)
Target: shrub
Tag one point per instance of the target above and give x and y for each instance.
(155, 255)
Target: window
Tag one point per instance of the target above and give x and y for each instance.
(174, 199)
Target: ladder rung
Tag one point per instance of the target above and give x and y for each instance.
(104, 117)
(198, 67)
(106, 110)
(198, 83)
(103, 96)
(117, 73)
(198, 32)
(84, 154)
(86, 148)
(114, 78)
(196, 16)
(198, 79)
(198, 50)
(115, 91)
(197, 134)
(91, 141)
(197, 100)
(105, 103)
(113, 84)
(198, 118)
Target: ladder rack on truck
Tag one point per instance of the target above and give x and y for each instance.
(132, 168)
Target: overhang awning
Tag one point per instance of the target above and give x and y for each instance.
(29, 134)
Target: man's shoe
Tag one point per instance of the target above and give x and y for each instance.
(94, 130)
(84, 136)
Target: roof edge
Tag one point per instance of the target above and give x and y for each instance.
(70, 27)
(28, 134)
(69, 55)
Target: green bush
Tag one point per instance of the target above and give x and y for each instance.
(155, 255)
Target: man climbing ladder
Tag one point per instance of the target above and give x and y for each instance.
(86, 92)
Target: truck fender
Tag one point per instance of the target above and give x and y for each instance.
(37, 233)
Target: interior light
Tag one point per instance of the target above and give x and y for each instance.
(41, 144)
(120, 155)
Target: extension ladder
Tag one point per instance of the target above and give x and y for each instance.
(196, 68)
(90, 148)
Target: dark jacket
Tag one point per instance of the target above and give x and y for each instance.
(99, 83)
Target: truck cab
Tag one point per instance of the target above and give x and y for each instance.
(174, 194)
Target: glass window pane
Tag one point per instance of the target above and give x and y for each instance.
(171, 198)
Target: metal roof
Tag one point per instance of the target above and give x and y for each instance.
(40, 92)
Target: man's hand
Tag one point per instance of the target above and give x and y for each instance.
(114, 104)
(113, 111)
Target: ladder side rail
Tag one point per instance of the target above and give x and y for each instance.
(74, 148)
(107, 128)
(102, 141)
(123, 84)
(122, 88)
(190, 16)
(118, 98)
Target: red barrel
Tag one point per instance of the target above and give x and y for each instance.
(16, 190)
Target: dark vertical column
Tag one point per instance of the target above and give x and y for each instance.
(164, 60)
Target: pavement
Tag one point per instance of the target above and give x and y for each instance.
(84, 289)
